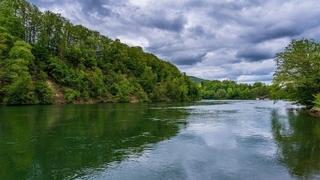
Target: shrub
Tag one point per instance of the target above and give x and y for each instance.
(44, 93)
(21, 50)
(317, 100)
(71, 95)
(20, 92)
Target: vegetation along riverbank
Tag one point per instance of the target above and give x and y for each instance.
(297, 76)
(45, 59)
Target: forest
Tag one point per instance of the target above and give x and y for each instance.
(45, 59)
(231, 90)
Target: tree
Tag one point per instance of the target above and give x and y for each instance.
(6, 42)
(9, 19)
(18, 86)
(221, 94)
(317, 100)
(21, 91)
(43, 93)
(298, 69)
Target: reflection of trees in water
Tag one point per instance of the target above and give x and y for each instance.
(53, 142)
(298, 140)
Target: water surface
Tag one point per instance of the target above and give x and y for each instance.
(205, 140)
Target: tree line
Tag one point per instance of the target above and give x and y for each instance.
(228, 89)
(297, 78)
(44, 59)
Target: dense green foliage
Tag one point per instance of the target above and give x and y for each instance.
(298, 72)
(317, 100)
(196, 79)
(232, 90)
(42, 55)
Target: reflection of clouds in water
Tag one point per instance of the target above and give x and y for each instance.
(223, 141)
(214, 135)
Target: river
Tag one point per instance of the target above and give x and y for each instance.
(202, 140)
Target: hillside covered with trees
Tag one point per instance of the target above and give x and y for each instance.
(45, 59)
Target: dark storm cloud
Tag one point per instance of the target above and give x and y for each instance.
(214, 39)
(163, 22)
(96, 6)
(189, 59)
(198, 31)
(254, 54)
(273, 32)
(87, 6)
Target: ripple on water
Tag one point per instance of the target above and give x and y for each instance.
(203, 140)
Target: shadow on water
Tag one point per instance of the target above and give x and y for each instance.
(297, 135)
(57, 142)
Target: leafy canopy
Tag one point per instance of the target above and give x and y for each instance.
(298, 71)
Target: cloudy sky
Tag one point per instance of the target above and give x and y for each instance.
(211, 39)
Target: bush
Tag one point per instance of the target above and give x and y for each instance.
(20, 92)
(123, 89)
(317, 100)
(6, 41)
(44, 93)
(71, 95)
(21, 50)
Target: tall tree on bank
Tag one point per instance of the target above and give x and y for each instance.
(298, 71)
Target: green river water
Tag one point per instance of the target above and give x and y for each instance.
(203, 140)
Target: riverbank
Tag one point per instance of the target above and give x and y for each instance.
(315, 112)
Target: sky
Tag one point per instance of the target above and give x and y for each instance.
(210, 39)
